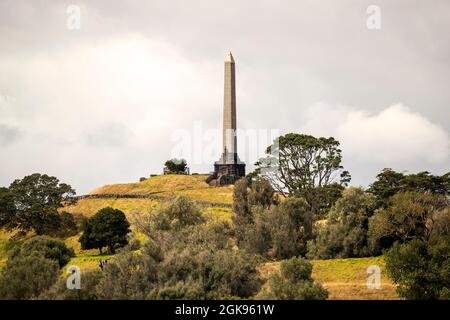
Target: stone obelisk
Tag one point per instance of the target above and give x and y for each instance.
(229, 112)
(229, 168)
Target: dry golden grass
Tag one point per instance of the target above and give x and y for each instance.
(168, 185)
(345, 279)
(88, 207)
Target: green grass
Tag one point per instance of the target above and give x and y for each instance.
(345, 279)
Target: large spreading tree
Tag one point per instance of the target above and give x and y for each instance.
(107, 228)
(390, 182)
(32, 203)
(305, 166)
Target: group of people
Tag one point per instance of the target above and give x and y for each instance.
(102, 263)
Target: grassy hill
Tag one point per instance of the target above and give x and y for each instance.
(193, 186)
(344, 278)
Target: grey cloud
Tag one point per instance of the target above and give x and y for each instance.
(8, 134)
(289, 56)
(109, 135)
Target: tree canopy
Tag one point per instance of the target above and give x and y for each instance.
(32, 203)
(175, 166)
(306, 166)
(107, 228)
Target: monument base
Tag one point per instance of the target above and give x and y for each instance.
(226, 173)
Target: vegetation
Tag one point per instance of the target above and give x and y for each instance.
(421, 269)
(180, 248)
(33, 268)
(305, 166)
(294, 282)
(390, 182)
(410, 215)
(345, 233)
(47, 247)
(107, 228)
(175, 166)
(32, 203)
(177, 215)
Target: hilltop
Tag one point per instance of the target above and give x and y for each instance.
(344, 278)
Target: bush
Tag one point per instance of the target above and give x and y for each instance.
(26, 277)
(281, 231)
(213, 274)
(345, 233)
(410, 215)
(294, 282)
(249, 196)
(421, 269)
(46, 247)
(128, 277)
(107, 228)
(175, 166)
(178, 214)
(89, 282)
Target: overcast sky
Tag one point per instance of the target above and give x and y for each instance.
(111, 101)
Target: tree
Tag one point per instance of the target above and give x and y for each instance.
(107, 228)
(344, 235)
(410, 215)
(179, 213)
(35, 203)
(247, 195)
(421, 269)
(281, 231)
(390, 182)
(305, 166)
(26, 277)
(7, 209)
(46, 247)
(294, 282)
(175, 166)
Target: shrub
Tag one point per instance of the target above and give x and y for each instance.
(345, 233)
(294, 282)
(213, 274)
(26, 277)
(281, 231)
(46, 247)
(410, 215)
(107, 228)
(128, 277)
(89, 282)
(421, 269)
(178, 214)
(249, 196)
(175, 166)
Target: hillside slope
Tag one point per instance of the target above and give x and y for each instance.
(193, 186)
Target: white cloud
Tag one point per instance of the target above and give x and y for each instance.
(395, 137)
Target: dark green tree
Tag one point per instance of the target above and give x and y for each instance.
(344, 235)
(305, 166)
(248, 196)
(410, 215)
(107, 228)
(177, 214)
(281, 231)
(294, 282)
(390, 182)
(35, 203)
(26, 277)
(7, 209)
(175, 166)
(421, 269)
(47, 247)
